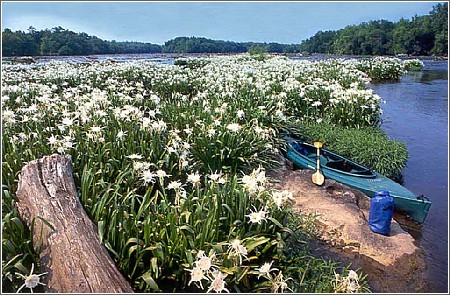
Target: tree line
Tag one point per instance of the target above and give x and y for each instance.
(60, 41)
(204, 45)
(424, 35)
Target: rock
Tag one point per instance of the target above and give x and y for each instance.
(393, 263)
(24, 60)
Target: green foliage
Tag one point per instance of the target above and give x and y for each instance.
(59, 41)
(169, 164)
(424, 35)
(413, 65)
(17, 245)
(368, 146)
(204, 45)
(258, 52)
(383, 68)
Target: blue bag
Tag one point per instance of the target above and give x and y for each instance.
(381, 211)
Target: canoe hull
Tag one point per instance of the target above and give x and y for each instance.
(405, 201)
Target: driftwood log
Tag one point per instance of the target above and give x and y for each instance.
(72, 254)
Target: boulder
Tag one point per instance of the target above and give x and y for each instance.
(392, 263)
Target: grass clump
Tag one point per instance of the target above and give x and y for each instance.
(413, 65)
(382, 68)
(369, 146)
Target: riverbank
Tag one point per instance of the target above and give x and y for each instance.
(393, 264)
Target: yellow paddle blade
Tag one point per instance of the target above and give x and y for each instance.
(318, 178)
(318, 144)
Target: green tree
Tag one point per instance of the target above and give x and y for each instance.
(59, 41)
(422, 35)
(439, 23)
(49, 46)
(11, 45)
(402, 38)
(321, 42)
(257, 49)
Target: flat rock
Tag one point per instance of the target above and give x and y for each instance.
(393, 263)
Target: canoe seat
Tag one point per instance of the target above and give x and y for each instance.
(361, 172)
(336, 164)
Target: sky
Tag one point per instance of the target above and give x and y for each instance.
(157, 22)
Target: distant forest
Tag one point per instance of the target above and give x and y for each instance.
(59, 41)
(424, 35)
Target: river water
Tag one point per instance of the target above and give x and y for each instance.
(416, 112)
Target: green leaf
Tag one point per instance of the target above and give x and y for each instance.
(187, 228)
(110, 248)
(189, 257)
(133, 241)
(230, 270)
(276, 222)
(147, 277)
(241, 274)
(132, 249)
(256, 242)
(101, 230)
(22, 268)
(154, 265)
(18, 223)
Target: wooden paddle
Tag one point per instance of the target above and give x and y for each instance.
(318, 177)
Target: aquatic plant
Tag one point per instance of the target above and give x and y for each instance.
(413, 64)
(387, 68)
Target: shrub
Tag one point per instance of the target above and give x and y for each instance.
(413, 65)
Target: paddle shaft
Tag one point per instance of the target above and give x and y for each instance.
(318, 159)
(318, 177)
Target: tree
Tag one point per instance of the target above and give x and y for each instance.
(11, 45)
(49, 46)
(59, 41)
(439, 23)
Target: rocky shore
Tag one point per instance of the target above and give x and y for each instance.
(393, 264)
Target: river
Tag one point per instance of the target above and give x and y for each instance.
(416, 112)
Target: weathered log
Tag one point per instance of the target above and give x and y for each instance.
(72, 254)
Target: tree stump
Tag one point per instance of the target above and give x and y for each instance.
(72, 254)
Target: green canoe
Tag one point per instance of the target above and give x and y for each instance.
(343, 170)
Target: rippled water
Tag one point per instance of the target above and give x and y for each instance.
(416, 112)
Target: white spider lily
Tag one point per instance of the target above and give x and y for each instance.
(32, 280)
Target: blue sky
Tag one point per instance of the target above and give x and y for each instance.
(157, 22)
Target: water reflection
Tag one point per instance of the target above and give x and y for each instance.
(428, 76)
